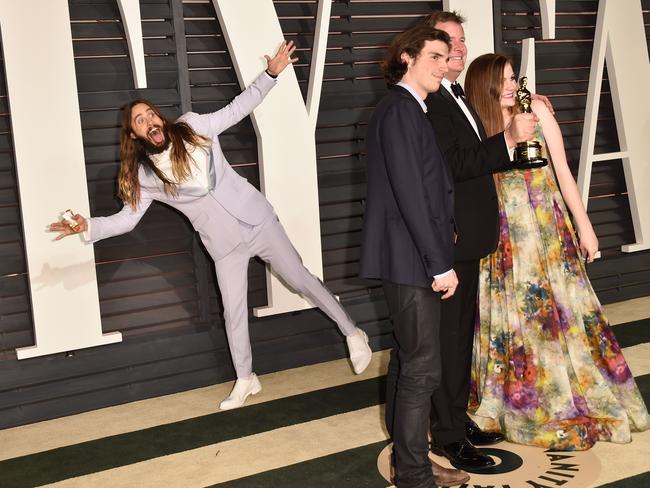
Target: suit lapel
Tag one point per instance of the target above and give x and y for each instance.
(451, 100)
(477, 119)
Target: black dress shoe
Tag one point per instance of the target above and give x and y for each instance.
(480, 437)
(463, 455)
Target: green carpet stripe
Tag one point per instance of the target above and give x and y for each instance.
(643, 382)
(354, 468)
(120, 450)
(637, 481)
(633, 333)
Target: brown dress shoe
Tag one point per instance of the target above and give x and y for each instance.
(443, 476)
(448, 476)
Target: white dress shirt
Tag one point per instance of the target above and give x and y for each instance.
(446, 85)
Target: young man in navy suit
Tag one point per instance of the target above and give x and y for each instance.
(408, 240)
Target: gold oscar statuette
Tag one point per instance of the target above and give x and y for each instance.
(527, 154)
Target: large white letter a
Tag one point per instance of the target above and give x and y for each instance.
(620, 40)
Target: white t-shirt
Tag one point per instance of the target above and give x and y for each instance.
(198, 182)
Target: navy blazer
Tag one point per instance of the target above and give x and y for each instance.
(408, 228)
(472, 161)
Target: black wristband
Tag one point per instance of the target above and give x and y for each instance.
(272, 76)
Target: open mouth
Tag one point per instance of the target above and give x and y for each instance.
(156, 135)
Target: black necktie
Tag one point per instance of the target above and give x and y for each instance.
(457, 90)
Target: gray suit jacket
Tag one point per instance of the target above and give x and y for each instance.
(230, 199)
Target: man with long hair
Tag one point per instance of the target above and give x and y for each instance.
(408, 240)
(182, 165)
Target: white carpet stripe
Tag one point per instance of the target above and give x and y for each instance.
(628, 311)
(623, 460)
(638, 358)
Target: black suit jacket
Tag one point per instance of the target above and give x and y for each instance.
(408, 224)
(472, 162)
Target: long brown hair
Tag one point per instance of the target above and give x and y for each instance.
(133, 154)
(483, 88)
(411, 42)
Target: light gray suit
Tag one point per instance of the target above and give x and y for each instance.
(235, 222)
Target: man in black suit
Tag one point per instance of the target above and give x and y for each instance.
(407, 241)
(473, 157)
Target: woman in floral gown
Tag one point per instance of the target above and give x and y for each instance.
(548, 370)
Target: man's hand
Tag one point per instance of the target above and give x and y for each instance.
(65, 229)
(521, 128)
(282, 58)
(544, 100)
(446, 284)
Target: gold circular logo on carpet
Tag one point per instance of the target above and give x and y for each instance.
(522, 467)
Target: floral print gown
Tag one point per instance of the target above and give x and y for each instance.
(547, 369)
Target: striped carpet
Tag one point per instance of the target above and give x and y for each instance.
(316, 426)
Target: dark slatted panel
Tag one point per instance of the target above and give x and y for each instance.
(147, 279)
(563, 66)
(15, 318)
(156, 283)
(140, 289)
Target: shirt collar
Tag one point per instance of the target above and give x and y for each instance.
(447, 84)
(412, 91)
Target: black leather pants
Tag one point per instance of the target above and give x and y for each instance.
(413, 376)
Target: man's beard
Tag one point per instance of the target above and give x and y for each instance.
(152, 148)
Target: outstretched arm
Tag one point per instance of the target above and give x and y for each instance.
(213, 124)
(98, 228)
(568, 187)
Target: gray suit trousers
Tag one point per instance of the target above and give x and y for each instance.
(269, 241)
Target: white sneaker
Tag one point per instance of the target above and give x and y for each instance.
(240, 392)
(360, 352)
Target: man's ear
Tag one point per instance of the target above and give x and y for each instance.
(132, 135)
(406, 58)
